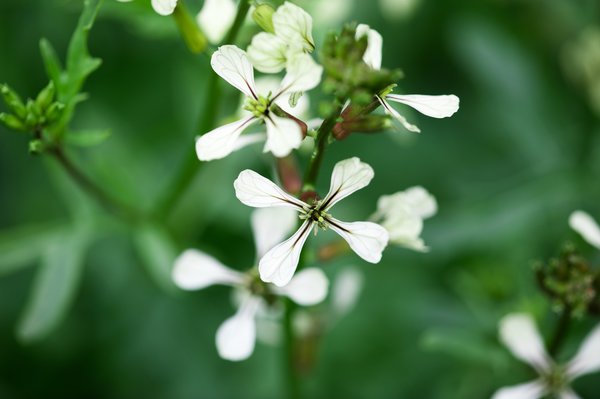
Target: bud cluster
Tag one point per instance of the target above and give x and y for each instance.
(569, 281)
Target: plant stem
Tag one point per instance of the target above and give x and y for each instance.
(191, 165)
(560, 332)
(109, 203)
(312, 171)
(292, 377)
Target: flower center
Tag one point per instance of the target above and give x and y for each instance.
(316, 214)
(259, 107)
(556, 380)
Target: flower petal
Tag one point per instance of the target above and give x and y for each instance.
(303, 74)
(271, 226)
(568, 394)
(267, 53)
(531, 390)
(308, 287)
(405, 230)
(434, 106)
(222, 141)
(348, 176)
(195, 270)
(396, 115)
(237, 335)
(257, 191)
(232, 64)
(367, 239)
(249, 139)
(585, 225)
(372, 55)
(215, 18)
(587, 359)
(279, 264)
(519, 333)
(283, 135)
(347, 286)
(294, 26)
(164, 7)
(420, 201)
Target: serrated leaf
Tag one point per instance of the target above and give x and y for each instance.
(158, 252)
(22, 246)
(86, 138)
(55, 284)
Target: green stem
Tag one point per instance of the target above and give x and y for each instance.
(292, 377)
(102, 197)
(560, 332)
(191, 165)
(314, 165)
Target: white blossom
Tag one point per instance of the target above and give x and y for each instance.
(434, 106)
(215, 18)
(236, 337)
(283, 134)
(164, 7)
(519, 334)
(585, 225)
(366, 239)
(272, 52)
(402, 215)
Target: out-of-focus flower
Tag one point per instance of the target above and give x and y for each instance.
(521, 337)
(283, 133)
(164, 7)
(196, 270)
(398, 9)
(434, 106)
(585, 225)
(366, 239)
(215, 18)
(402, 215)
(271, 52)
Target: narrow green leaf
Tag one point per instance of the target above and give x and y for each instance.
(158, 252)
(86, 138)
(55, 285)
(23, 246)
(52, 63)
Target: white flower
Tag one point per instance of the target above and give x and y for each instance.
(585, 225)
(283, 134)
(433, 106)
(164, 7)
(519, 334)
(366, 239)
(216, 17)
(402, 215)
(271, 53)
(236, 337)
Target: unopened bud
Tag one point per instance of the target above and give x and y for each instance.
(263, 16)
(13, 101)
(45, 97)
(54, 111)
(192, 35)
(289, 175)
(36, 146)
(12, 122)
(363, 124)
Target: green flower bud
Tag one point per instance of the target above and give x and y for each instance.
(45, 97)
(36, 146)
(263, 16)
(193, 36)
(12, 122)
(13, 101)
(54, 111)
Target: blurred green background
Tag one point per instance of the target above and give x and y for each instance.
(522, 153)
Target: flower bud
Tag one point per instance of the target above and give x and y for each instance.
(36, 146)
(13, 101)
(12, 122)
(193, 36)
(289, 175)
(263, 16)
(363, 124)
(54, 111)
(45, 97)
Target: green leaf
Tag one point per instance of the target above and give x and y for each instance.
(55, 284)
(23, 246)
(158, 252)
(52, 63)
(86, 138)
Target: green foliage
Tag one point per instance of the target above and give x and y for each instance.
(157, 251)
(55, 284)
